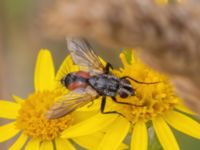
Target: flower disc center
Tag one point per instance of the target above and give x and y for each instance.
(150, 100)
(32, 119)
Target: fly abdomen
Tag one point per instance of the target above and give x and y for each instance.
(75, 80)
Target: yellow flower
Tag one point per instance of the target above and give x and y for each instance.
(164, 2)
(157, 104)
(161, 1)
(153, 105)
(27, 115)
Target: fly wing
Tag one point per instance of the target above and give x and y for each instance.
(70, 102)
(84, 56)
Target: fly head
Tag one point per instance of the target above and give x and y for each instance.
(125, 89)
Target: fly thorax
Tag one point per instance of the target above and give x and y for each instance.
(105, 85)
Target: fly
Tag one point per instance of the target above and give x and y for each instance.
(92, 81)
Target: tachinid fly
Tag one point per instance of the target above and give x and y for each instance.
(93, 80)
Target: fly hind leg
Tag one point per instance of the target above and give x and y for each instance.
(103, 104)
(125, 103)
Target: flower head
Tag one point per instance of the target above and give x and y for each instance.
(27, 115)
(150, 100)
(32, 121)
(155, 105)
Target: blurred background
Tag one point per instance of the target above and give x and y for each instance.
(21, 39)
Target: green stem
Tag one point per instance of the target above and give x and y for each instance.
(153, 140)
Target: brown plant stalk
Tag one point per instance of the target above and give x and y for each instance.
(169, 35)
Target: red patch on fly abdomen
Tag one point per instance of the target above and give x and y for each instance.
(83, 74)
(76, 85)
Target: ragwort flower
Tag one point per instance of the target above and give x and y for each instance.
(153, 105)
(27, 116)
(156, 104)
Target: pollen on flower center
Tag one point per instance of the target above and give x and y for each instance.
(31, 119)
(150, 100)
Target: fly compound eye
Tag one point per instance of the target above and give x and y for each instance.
(123, 94)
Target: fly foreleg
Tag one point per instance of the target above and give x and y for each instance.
(107, 68)
(103, 104)
(127, 77)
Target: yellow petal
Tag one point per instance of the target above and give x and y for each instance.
(89, 126)
(164, 134)
(139, 138)
(19, 143)
(18, 99)
(89, 141)
(115, 135)
(123, 59)
(123, 147)
(182, 107)
(9, 110)
(93, 106)
(183, 123)
(8, 131)
(62, 144)
(161, 2)
(44, 71)
(47, 145)
(33, 144)
(66, 67)
(82, 115)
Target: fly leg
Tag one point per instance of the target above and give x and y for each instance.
(125, 103)
(115, 100)
(107, 68)
(127, 77)
(103, 104)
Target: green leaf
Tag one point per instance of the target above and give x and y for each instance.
(128, 54)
